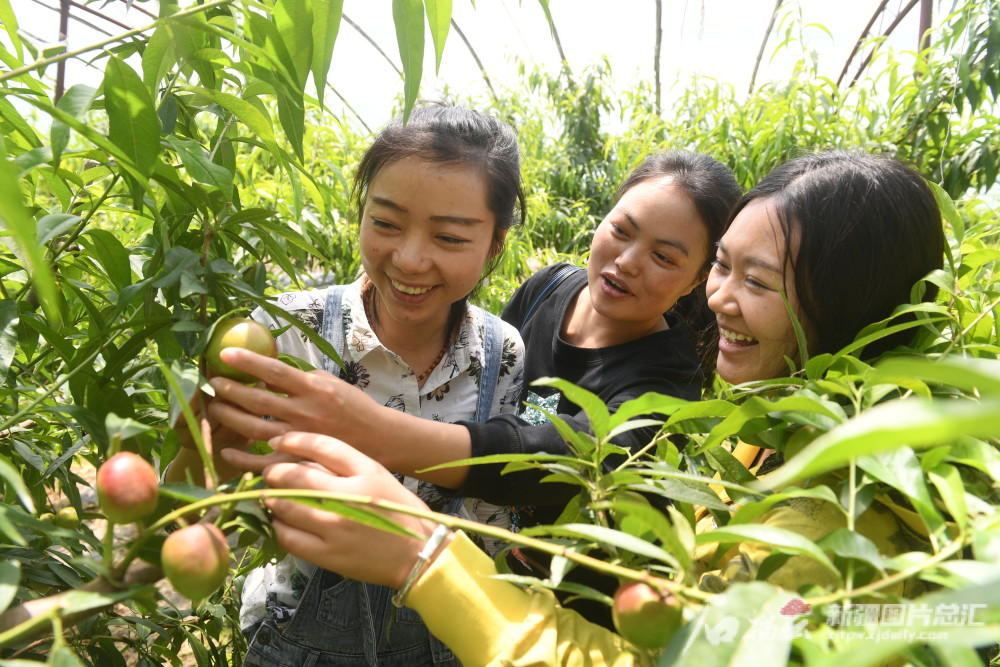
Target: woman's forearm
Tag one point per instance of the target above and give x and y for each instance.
(407, 444)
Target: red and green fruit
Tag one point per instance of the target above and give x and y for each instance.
(196, 560)
(238, 332)
(127, 488)
(644, 616)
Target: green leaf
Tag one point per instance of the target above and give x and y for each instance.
(594, 407)
(158, 57)
(548, 16)
(503, 458)
(256, 121)
(852, 544)
(754, 407)
(972, 375)
(439, 22)
(948, 482)
(64, 656)
(132, 122)
(408, 16)
(949, 211)
(200, 167)
(900, 468)
(782, 540)
(9, 20)
(111, 254)
(91, 135)
(364, 515)
(75, 102)
(54, 224)
(326, 24)
(9, 319)
(751, 511)
(9, 474)
(10, 113)
(647, 404)
(10, 576)
(295, 23)
(912, 422)
(15, 219)
(604, 536)
(640, 515)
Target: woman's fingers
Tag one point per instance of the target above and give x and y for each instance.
(249, 425)
(253, 462)
(335, 455)
(275, 373)
(303, 543)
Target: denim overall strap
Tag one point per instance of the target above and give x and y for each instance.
(492, 358)
(333, 326)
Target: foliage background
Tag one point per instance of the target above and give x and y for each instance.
(204, 173)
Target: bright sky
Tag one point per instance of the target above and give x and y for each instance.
(717, 38)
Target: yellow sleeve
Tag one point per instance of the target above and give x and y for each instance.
(487, 621)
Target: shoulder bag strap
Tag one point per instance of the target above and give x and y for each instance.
(561, 275)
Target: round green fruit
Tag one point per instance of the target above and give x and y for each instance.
(644, 616)
(196, 559)
(67, 518)
(238, 332)
(127, 488)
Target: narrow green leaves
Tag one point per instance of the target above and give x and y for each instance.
(408, 16)
(294, 21)
(439, 21)
(325, 27)
(9, 21)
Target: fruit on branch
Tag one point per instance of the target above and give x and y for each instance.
(644, 616)
(196, 559)
(238, 332)
(127, 488)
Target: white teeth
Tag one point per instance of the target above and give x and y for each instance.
(410, 290)
(732, 335)
(616, 285)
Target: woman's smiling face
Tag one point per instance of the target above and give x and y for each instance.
(744, 289)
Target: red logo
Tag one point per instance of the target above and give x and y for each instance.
(795, 607)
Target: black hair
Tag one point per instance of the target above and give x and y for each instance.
(712, 188)
(860, 230)
(453, 135)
